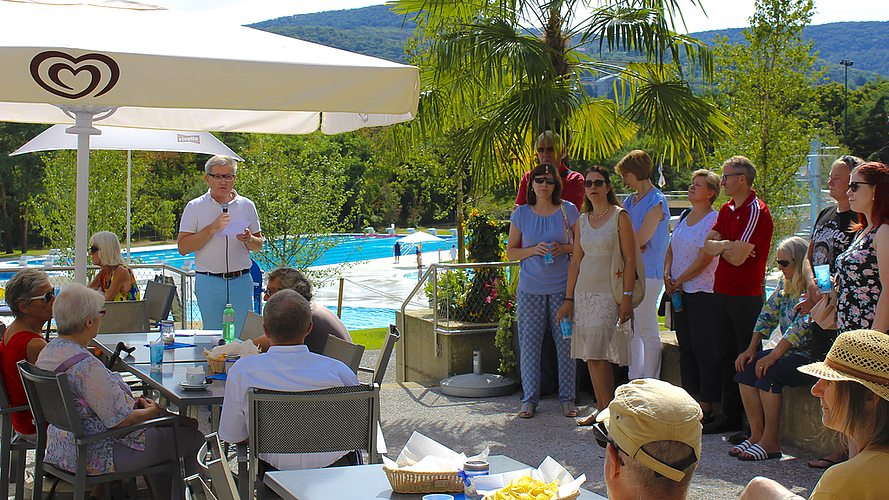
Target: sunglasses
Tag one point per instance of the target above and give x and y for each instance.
(541, 180)
(270, 291)
(853, 186)
(48, 296)
(598, 183)
(600, 433)
(726, 176)
(93, 249)
(783, 263)
(548, 149)
(219, 177)
(102, 312)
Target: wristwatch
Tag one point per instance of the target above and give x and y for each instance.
(628, 293)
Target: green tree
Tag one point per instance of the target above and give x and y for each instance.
(869, 121)
(498, 72)
(20, 178)
(299, 186)
(767, 87)
(52, 211)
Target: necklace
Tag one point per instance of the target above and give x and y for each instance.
(603, 214)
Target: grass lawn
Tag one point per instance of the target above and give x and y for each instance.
(371, 338)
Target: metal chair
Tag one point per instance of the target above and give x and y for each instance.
(52, 402)
(198, 489)
(159, 297)
(378, 372)
(11, 443)
(350, 354)
(129, 316)
(252, 326)
(214, 465)
(325, 420)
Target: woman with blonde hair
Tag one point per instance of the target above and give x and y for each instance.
(762, 375)
(854, 393)
(115, 279)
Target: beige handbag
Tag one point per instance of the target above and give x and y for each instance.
(617, 269)
(824, 312)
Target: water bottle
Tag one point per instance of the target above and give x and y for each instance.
(676, 299)
(548, 257)
(566, 327)
(228, 324)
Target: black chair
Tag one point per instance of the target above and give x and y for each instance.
(11, 443)
(52, 402)
(128, 316)
(159, 297)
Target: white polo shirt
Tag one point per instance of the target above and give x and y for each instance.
(200, 213)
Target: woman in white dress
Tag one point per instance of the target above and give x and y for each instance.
(589, 297)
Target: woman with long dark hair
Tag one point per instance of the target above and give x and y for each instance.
(589, 297)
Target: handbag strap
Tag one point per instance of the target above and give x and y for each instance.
(567, 227)
(73, 360)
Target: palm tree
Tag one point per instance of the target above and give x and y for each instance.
(498, 72)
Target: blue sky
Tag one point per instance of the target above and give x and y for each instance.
(720, 13)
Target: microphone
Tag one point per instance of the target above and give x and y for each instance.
(225, 207)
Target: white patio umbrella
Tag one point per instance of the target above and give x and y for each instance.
(143, 66)
(418, 237)
(129, 140)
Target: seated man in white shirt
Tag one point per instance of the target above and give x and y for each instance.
(287, 366)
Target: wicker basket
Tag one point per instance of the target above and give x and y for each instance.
(403, 481)
(217, 365)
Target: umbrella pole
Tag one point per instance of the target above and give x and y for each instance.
(129, 200)
(83, 127)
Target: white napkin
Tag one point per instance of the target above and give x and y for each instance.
(548, 471)
(422, 454)
(237, 347)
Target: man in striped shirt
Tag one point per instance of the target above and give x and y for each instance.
(741, 238)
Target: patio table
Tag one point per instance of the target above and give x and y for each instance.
(364, 482)
(107, 342)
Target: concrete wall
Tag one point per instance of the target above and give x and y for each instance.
(418, 359)
(800, 415)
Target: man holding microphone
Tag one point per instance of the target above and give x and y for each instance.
(222, 257)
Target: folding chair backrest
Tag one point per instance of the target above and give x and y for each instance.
(348, 353)
(385, 354)
(252, 326)
(159, 297)
(198, 488)
(128, 316)
(335, 419)
(50, 398)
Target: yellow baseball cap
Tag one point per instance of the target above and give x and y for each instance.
(648, 410)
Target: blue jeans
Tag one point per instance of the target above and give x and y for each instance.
(210, 291)
(533, 312)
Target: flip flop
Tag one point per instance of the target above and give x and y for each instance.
(568, 409)
(741, 448)
(757, 453)
(528, 410)
(589, 420)
(830, 463)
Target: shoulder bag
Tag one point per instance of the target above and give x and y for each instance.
(824, 312)
(617, 269)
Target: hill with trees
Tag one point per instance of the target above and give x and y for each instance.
(378, 32)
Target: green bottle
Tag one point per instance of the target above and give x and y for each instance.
(228, 324)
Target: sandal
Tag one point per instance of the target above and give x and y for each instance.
(830, 463)
(528, 410)
(568, 409)
(589, 420)
(741, 448)
(756, 453)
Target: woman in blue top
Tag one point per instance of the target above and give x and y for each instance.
(539, 236)
(651, 220)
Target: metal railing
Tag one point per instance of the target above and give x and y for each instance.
(450, 300)
(184, 281)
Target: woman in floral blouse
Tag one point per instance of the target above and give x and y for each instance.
(762, 375)
(859, 280)
(105, 402)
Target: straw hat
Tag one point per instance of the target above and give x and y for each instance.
(861, 356)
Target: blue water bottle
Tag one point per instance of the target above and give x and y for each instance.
(566, 327)
(676, 299)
